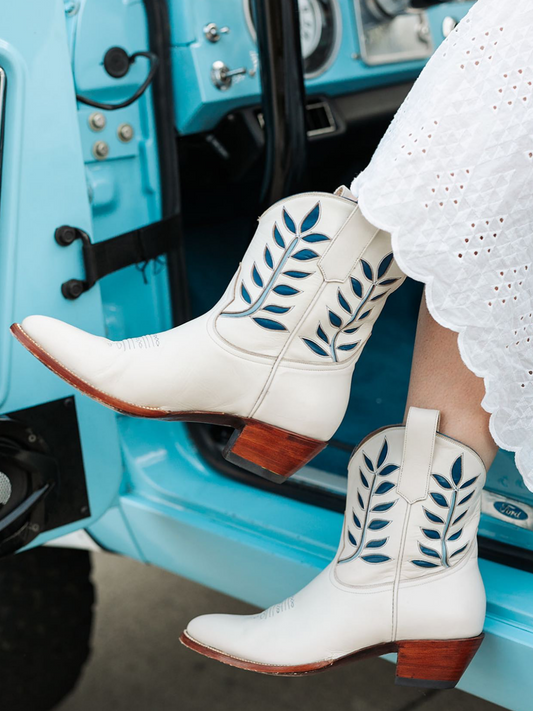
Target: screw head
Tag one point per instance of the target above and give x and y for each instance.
(100, 150)
(125, 132)
(71, 7)
(97, 121)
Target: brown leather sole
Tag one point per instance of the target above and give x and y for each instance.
(265, 450)
(429, 664)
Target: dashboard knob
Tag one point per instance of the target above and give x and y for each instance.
(222, 75)
(387, 9)
(213, 33)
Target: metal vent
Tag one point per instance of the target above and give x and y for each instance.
(319, 119)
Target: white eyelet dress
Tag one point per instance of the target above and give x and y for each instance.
(452, 180)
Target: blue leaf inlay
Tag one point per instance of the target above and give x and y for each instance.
(285, 290)
(361, 502)
(455, 535)
(432, 517)
(297, 275)
(379, 296)
(459, 550)
(384, 265)
(356, 520)
(425, 564)
(268, 258)
(365, 315)
(457, 470)
(305, 255)
(289, 222)
(469, 482)
(270, 324)
(459, 517)
(377, 544)
(378, 524)
(430, 533)
(310, 219)
(277, 309)
(384, 487)
(429, 551)
(386, 282)
(368, 462)
(278, 238)
(440, 500)
(463, 501)
(257, 277)
(375, 558)
(352, 539)
(322, 334)
(357, 287)
(383, 507)
(335, 320)
(388, 469)
(349, 346)
(363, 479)
(367, 270)
(442, 481)
(383, 454)
(245, 295)
(315, 347)
(351, 330)
(342, 301)
(315, 237)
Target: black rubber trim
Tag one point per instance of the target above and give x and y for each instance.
(505, 554)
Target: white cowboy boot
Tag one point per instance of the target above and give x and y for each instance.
(274, 358)
(405, 578)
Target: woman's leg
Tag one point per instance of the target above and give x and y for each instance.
(441, 381)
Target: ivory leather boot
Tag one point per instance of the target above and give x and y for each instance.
(274, 358)
(405, 578)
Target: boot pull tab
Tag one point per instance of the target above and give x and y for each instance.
(420, 430)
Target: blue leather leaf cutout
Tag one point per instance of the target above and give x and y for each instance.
(455, 535)
(335, 320)
(383, 507)
(289, 222)
(388, 469)
(297, 275)
(463, 501)
(270, 324)
(278, 238)
(285, 290)
(425, 564)
(322, 334)
(457, 470)
(440, 500)
(377, 524)
(384, 487)
(383, 453)
(459, 517)
(305, 255)
(368, 462)
(379, 543)
(357, 287)
(459, 550)
(386, 282)
(315, 347)
(268, 258)
(356, 520)
(277, 309)
(375, 558)
(257, 277)
(367, 270)
(384, 265)
(363, 479)
(352, 539)
(245, 295)
(379, 296)
(361, 502)
(430, 533)
(349, 346)
(342, 301)
(429, 551)
(351, 330)
(365, 315)
(315, 237)
(432, 517)
(469, 482)
(310, 219)
(442, 481)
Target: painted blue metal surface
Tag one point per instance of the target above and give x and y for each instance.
(202, 105)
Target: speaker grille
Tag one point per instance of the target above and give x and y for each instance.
(5, 489)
